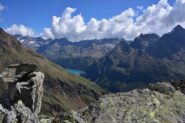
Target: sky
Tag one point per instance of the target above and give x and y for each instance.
(90, 19)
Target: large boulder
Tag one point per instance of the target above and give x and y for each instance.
(21, 100)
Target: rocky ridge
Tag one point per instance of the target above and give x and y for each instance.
(159, 103)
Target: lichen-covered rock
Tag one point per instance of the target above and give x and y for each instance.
(163, 87)
(162, 103)
(21, 101)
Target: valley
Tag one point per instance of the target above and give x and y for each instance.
(120, 65)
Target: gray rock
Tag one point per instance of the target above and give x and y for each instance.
(162, 103)
(15, 72)
(163, 87)
(22, 100)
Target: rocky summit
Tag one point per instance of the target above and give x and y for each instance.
(160, 103)
(21, 98)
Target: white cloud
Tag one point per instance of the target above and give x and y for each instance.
(1, 7)
(20, 30)
(157, 18)
(140, 7)
(74, 28)
(153, 18)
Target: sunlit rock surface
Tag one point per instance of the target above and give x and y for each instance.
(160, 103)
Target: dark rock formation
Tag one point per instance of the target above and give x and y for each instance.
(21, 101)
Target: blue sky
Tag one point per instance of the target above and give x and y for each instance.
(90, 19)
(37, 14)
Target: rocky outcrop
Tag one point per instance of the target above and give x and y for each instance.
(160, 103)
(21, 100)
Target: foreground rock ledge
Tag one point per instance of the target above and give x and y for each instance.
(160, 103)
(22, 96)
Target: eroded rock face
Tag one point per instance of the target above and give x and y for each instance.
(160, 103)
(21, 101)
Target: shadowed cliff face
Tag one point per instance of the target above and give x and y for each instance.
(62, 91)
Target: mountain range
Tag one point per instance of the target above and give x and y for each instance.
(149, 58)
(32, 42)
(77, 55)
(121, 65)
(73, 55)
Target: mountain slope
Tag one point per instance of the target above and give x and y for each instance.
(147, 59)
(62, 91)
(77, 55)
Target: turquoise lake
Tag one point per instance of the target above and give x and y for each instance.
(76, 72)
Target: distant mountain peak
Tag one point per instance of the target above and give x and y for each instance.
(148, 35)
(178, 28)
(144, 40)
